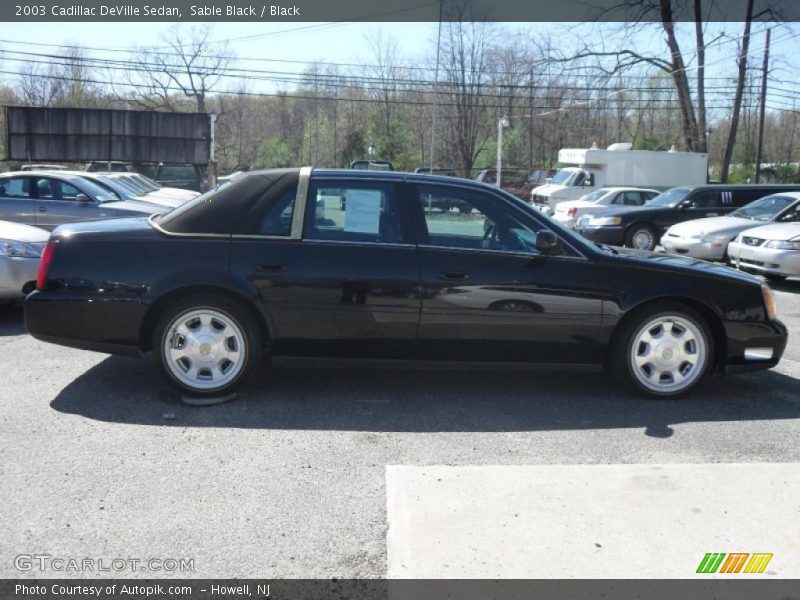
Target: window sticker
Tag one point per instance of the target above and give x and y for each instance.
(363, 211)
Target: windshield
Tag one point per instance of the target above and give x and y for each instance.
(562, 177)
(120, 189)
(595, 196)
(670, 198)
(763, 209)
(130, 182)
(146, 181)
(100, 193)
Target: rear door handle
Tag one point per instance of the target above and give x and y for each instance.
(454, 276)
(271, 268)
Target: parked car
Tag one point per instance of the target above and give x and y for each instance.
(48, 199)
(255, 269)
(709, 238)
(148, 185)
(125, 190)
(372, 165)
(567, 213)
(436, 171)
(186, 177)
(515, 181)
(20, 249)
(642, 227)
(771, 250)
(115, 166)
(43, 168)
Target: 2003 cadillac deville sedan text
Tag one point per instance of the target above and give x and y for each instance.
(387, 265)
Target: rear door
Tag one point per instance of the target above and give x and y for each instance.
(17, 200)
(57, 203)
(350, 286)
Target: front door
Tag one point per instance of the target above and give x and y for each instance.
(57, 203)
(489, 295)
(350, 286)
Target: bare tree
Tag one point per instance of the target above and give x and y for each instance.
(189, 64)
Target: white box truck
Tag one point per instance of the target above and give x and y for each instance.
(618, 165)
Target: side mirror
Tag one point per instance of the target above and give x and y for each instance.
(546, 241)
(686, 204)
(83, 198)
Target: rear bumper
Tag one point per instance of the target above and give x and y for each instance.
(15, 274)
(110, 325)
(565, 220)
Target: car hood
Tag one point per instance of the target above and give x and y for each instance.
(121, 207)
(174, 192)
(547, 189)
(719, 225)
(22, 233)
(684, 264)
(776, 231)
(163, 199)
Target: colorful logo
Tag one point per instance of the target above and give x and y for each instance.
(735, 562)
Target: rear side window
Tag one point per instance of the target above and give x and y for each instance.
(16, 187)
(353, 211)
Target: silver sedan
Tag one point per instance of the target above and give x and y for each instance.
(20, 249)
(772, 250)
(708, 239)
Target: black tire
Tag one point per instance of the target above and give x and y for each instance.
(774, 277)
(251, 345)
(621, 362)
(639, 230)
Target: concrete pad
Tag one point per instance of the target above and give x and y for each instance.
(589, 521)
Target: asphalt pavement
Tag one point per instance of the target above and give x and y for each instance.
(100, 460)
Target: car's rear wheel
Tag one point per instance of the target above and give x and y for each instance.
(641, 237)
(206, 346)
(664, 350)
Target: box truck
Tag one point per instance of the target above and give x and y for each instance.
(618, 165)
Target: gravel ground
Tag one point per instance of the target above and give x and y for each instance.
(100, 460)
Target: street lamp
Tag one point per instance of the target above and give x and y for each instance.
(501, 124)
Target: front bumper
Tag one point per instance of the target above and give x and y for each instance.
(614, 235)
(694, 247)
(103, 324)
(744, 337)
(17, 273)
(764, 260)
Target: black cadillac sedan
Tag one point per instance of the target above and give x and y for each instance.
(387, 265)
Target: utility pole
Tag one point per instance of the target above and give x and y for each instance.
(530, 123)
(763, 108)
(436, 85)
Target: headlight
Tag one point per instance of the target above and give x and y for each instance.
(779, 245)
(604, 221)
(18, 249)
(715, 238)
(769, 302)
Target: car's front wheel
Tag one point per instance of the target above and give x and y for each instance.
(206, 346)
(664, 351)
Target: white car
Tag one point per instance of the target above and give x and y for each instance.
(20, 250)
(772, 250)
(567, 213)
(708, 238)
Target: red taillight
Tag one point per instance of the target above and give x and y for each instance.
(572, 211)
(44, 265)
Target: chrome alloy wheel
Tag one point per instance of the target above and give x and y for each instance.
(204, 349)
(643, 240)
(668, 354)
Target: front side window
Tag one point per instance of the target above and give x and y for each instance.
(705, 199)
(460, 218)
(354, 211)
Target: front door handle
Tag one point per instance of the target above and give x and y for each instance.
(42, 209)
(712, 214)
(271, 268)
(454, 276)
